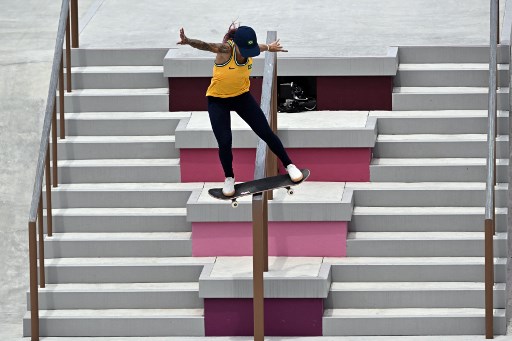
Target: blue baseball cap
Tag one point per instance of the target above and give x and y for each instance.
(245, 39)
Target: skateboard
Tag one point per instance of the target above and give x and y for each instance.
(258, 186)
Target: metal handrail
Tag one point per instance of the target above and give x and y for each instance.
(43, 161)
(490, 204)
(264, 166)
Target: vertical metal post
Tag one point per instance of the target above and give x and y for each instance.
(489, 279)
(48, 194)
(493, 84)
(61, 100)
(74, 23)
(34, 303)
(54, 146)
(265, 230)
(42, 279)
(68, 53)
(258, 203)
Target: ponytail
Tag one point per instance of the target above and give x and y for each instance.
(230, 35)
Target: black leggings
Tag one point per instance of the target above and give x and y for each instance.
(247, 108)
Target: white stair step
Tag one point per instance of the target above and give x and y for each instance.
(437, 122)
(422, 244)
(109, 77)
(147, 244)
(89, 100)
(119, 322)
(411, 321)
(434, 170)
(183, 295)
(122, 123)
(431, 194)
(131, 219)
(413, 269)
(122, 195)
(123, 147)
(125, 269)
(438, 146)
(443, 98)
(280, 338)
(374, 295)
(449, 54)
(118, 56)
(119, 170)
(423, 219)
(448, 74)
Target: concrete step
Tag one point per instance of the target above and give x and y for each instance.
(119, 170)
(122, 123)
(184, 295)
(438, 146)
(375, 295)
(118, 77)
(125, 270)
(448, 74)
(446, 98)
(116, 100)
(111, 147)
(118, 57)
(410, 321)
(422, 244)
(435, 170)
(425, 194)
(283, 338)
(413, 269)
(437, 122)
(122, 195)
(449, 54)
(423, 219)
(119, 220)
(146, 244)
(118, 322)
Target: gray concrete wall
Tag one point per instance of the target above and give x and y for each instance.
(27, 41)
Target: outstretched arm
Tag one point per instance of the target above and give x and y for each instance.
(201, 45)
(272, 47)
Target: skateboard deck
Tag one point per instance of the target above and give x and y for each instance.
(258, 186)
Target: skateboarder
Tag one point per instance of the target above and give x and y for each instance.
(229, 90)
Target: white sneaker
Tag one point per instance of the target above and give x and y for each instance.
(295, 174)
(229, 187)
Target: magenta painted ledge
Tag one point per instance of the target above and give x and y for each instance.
(299, 239)
(283, 316)
(326, 164)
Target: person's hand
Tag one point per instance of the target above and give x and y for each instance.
(183, 38)
(276, 47)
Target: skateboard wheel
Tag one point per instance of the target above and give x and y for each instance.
(234, 204)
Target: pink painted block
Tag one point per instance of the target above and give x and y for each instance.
(300, 239)
(283, 316)
(193, 163)
(326, 164)
(333, 164)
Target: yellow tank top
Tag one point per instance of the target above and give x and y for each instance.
(230, 79)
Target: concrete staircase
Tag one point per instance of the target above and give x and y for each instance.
(415, 248)
(119, 262)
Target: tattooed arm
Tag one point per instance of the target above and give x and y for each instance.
(201, 45)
